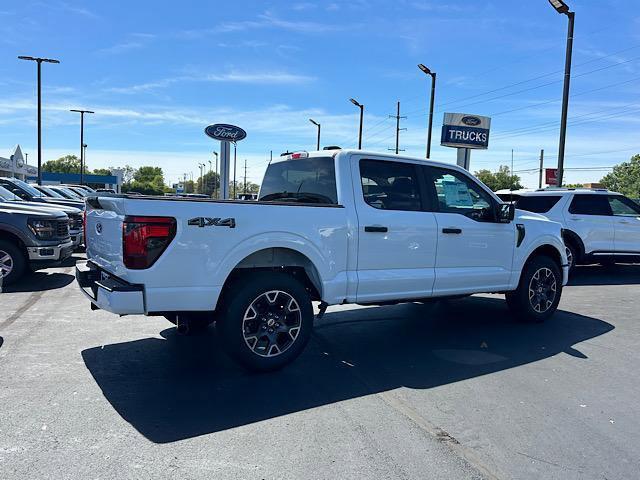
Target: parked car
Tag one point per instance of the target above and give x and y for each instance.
(29, 193)
(9, 201)
(105, 190)
(31, 239)
(334, 227)
(599, 226)
(66, 192)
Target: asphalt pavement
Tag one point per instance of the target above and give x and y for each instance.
(456, 389)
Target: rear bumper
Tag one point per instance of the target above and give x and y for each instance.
(109, 293)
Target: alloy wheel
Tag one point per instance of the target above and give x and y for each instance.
(542, 290)
(271, 323)
(6, 264)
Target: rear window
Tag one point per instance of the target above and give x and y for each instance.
(590, 205)
(304, 180)
(537, 204)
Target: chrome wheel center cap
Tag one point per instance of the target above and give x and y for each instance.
(271, 322)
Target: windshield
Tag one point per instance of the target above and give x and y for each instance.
(28, 188)
(309, 180)
(50, 192)
(6, 195)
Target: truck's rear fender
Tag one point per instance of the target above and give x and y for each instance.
(284, 249)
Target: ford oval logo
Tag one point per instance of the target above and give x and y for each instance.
(98, 228)
(471, 121)
(225, 133)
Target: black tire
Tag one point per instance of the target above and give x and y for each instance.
(13, 258)
(542, 275)
(198, 321)
(263, 330)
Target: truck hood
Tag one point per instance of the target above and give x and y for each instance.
(36, 206)
(537, 221)
(59, 201)
(525, 215)
(51, 214)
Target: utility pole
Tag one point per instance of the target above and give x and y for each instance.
(81, 112)
(39, 61)
(245, 175)
(541, 167)
(318, 127)
(397, 117)
(26, 159)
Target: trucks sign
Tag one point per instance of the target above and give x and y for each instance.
(225, 133)
(461, 130)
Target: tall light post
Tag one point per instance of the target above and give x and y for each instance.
(210, 176)
(433, 95)
(216, 179)
(84, 152)
(201, 166)
(563, 8)
(317, 125)
(361, 107)
(81, 112)
(235, 161)
(39, 61)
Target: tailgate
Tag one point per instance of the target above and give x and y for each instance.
(103, 233)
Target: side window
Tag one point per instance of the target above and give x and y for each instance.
(585, 204)
(537, 204)
(458, 194)
(623, 207)
(390, 185)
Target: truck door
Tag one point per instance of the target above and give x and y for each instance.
(475, 253)
(396, 231)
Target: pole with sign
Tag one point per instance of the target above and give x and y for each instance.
(226, 134)
(465, 132)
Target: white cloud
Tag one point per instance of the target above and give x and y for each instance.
(234, 76)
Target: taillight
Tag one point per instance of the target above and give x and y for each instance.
(145, 238)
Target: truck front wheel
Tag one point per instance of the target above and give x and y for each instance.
(539, 290)
(12, 262)
(265, 320)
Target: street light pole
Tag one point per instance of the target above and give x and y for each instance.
(39, 61)
(81, 112)
(433, 95)
(563, 8)
(216, 180)
(235, 159)
(317, 125)
(361, 107)
(210, 176)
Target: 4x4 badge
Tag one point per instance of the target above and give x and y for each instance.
(212, 222)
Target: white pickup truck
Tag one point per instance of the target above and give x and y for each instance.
(338, 226)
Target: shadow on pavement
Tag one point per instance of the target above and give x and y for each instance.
(40, 281)
(175, 388)
(44, 279)
(1, 341)
(620, 274)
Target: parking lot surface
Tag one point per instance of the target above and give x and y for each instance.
(457, 389)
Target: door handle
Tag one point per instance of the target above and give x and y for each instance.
(576, 219)
(375, 229)
(452, 230)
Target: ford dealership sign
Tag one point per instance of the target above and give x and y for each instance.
(225, 133)
(465, 131)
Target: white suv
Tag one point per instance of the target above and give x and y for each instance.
(599, 226)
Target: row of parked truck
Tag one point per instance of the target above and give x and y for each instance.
(40, 226)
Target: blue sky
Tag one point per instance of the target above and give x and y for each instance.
(156, 73)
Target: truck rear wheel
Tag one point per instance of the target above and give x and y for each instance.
(265, 320)
(12, 262)
(538, 293)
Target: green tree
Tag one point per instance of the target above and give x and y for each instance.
(208, 183)
(500, 180)
(66, 164)
(101, 171)
(147, 180)
(625, 178)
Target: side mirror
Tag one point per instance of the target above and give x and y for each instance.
(505, 212)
